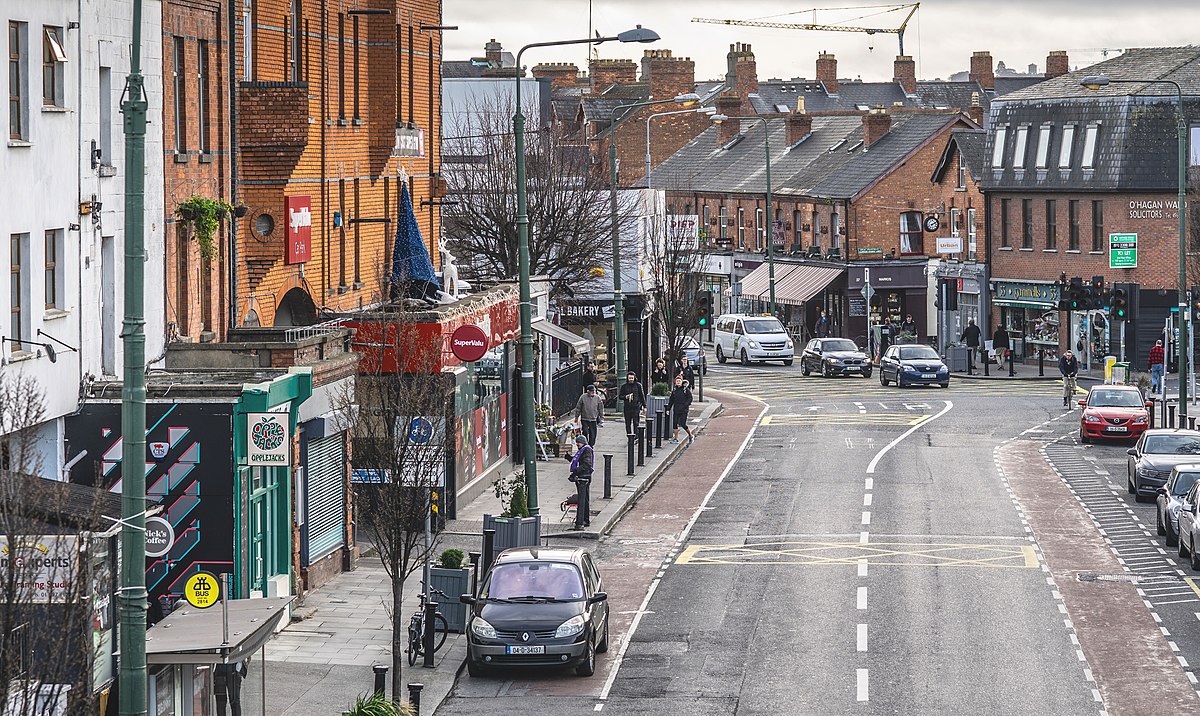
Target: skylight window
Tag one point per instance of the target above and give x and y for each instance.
(998, 148)
(837, 146)
(1089, 146)
(1068, 142)
(1043, 147)
(781, 108)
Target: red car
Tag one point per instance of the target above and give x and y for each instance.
(1113, 411)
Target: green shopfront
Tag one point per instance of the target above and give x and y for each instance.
(1029, 312)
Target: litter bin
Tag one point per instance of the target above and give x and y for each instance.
(1109, 362)
(1120, 373)
(956, 356)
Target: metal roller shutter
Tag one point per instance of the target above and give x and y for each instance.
(325, 514)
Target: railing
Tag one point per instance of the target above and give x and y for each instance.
(565, 387)
(299, 333)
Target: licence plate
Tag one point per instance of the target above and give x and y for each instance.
(1116, 429)
(929, 376)
(526, 650)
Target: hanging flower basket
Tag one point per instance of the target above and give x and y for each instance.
(204, 215)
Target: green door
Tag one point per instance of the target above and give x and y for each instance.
(264, 533)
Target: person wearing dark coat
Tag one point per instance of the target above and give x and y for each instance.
(683, 369)
(971, 336)
(822, 327)
(1068, 366)
(581, 474)
(660, 373)
(1000, 342)
(632, 398)
(678, 405)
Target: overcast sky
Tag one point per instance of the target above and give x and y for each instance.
(940, 37)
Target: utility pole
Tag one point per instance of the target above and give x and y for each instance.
(132, 599)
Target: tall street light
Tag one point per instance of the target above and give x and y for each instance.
(618, 299)
(528, 428)
(1095, 82)
(770, 215)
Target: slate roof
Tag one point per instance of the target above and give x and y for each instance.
(62, 504)
(971, 147)
(1181, 64)
(850, 96)
(937, 94)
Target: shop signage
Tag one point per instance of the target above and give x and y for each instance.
(409, 142)
(299, 231)
(1046, 293)
(160, 536)
(594, 311)
(870, 251)
(1154, 209)
(202, 590)
(267, 439)
(683, 230)
(949, 244)
(42, 569)
(746, 264)
(468, 343)
(1122, 250)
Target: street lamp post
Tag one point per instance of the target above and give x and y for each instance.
(528, 425)
(613, 179)
(769, 214)
(1095, 82)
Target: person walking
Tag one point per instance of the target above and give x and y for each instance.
(591, 412)
(660, 373)
(581, 474)
(971, 336)
(678, 404)
(227, 684)
(684, 369)
(1000, 343)
(1157, 367)
(822, 328)
(1068, 365)
(632, 397)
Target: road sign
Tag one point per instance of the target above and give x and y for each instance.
(1122, 250)
(202, 590)
(420, 431)
(160, 537)
(867, 292)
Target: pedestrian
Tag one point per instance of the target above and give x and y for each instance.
(679, 403)
(1157, 367)
(591, 412)
(909, 328)
(581, 474)
(660, 373)
(971, 337)
(822, 327)
(1068, 365)
(1000, 344)
(632, 397)
(684, 370)
(227, 684)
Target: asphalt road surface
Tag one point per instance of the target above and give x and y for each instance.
(877, 550)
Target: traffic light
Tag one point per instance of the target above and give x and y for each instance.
(1195, 301)
(704, 309)
(1099, 294)
(1076, 297)
(1118, 304)
(433, 502)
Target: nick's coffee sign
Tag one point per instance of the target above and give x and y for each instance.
(267, 440)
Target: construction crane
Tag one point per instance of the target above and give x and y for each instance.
(898, 31)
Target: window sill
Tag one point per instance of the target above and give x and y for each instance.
(358, 122)
(1096, 253)
(18, 356)
(206, 158)
(181, 158)
(1049, 251)
(1026, 249)
(55, 313)
(1004, 248)
(19, 143)
(54, 109)
(1072, 251)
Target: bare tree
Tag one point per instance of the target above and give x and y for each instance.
(677, 263)
(570, 224)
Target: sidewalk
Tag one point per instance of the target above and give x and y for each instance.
(322, 661)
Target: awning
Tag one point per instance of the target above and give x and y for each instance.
(194, 636)
(758, 282)
(579, 344)
(801, 285)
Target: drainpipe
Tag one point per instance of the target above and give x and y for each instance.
(233, 162)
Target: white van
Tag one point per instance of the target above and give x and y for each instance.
(752, 338)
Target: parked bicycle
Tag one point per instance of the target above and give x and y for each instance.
(416, 628)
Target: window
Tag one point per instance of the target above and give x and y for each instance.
(341, 54)
(816, 228)
(356, 66)
(835, 228)
(202, 115)
(759, 229)
(180, 104)
(18, 325)
(722, 216)
(704, 212)
(797, 236)
(54, 268)
(105, 105)
(248, 42)
(998, 148)
(1004, 222)
(972, 243)
(911, 235)
(1194, 146)
(53, 58)
(1073, 221)
(1043, 147)
(955, 217)
(1064, 151)
(1089, 146)
(297, 43)
(962, 175)
(741, 228)
(1027, 223)
(1051, 224)
(18, 120)
(1019, 148)
(1097, 225)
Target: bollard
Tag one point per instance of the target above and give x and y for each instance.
(380, 679)
(629, 450)
(1041, 362)
(608, 476)
(987, 363)
(414, 697)
(1191, 422)
(641, 441)
(489, 549)
(649, 437)
(1171, 416)
(1163, 403)
(474, 571)
(658, 431)
(1011, 368)
(430, 632)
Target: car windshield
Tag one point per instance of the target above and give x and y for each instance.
(762, 325)
(839, 345)
(1172, 445)
(552, 580)
(918, 353)
(1115, 399)
(1184, 482)
(689, 344)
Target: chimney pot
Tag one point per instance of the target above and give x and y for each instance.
(982, 70)
(827, 72)
(975, 111)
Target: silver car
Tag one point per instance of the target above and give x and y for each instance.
(695, 355)
(1170, 498)
(1188, 526)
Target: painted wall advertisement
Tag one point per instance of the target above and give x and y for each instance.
(267, 442)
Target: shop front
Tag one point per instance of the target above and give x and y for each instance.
(1029, 312)
(900, 289)
(969, 302)
(592, 318)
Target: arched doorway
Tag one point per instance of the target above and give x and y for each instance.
(296, 309)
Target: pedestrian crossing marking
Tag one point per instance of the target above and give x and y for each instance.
(846, 419)
(897, 554)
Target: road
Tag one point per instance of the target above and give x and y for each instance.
(874, 550)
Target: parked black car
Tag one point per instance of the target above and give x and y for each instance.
(1170, 499)
(538, 606)
(834, 356)
(913, 365)
(1151, 459)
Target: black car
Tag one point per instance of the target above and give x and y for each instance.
(1151, 459)
(538, 606)
(834, 356)
(913, 365)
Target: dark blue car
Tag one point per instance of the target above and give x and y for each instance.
(913, 365)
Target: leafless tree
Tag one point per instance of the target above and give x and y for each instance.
(570, 225)
(677, 264)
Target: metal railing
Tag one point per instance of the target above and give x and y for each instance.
(300, 333)
(565, 387)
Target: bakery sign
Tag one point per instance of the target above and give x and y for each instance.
(267, 439)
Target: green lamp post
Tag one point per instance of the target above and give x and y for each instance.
(770, 216)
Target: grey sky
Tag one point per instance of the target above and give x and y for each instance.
(941, 37)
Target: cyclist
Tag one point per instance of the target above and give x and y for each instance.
(1068, 365)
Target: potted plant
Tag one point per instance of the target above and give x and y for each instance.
(204, 216)
(514, 527)
(378, 705)
(656, 402)
(452, 575)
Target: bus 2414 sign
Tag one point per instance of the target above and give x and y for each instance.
(1122, 250)
(267, 440)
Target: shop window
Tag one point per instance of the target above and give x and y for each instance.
(1051, 224)
(1027, 223)
(1004, 222)
(912, 237)
(1073, 224)
(1097, 225)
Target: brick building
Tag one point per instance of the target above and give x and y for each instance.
(1069, 167)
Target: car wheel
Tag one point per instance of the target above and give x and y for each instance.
(475, 669)
(745, 357)
(1158, 523)
(1139, 497)
(825, 372)
(1183, 551)
(882, 380)
(1195, 560)
(804, 371)
(602, 647)
(1083, 438)
(789, 361)
(588, 667)
(720, 355)
(944, 385)
(867, 373)
(1172, 535)
(1129, 485)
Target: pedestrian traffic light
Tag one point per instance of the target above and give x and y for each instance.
(1118, 304)
(704, 308)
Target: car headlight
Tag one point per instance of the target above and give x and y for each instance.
(943, 369)
(789, 343)
(1147, 471)
(909, 369)
(570, 627)
(831, 361)
(750, 342)
(1175, 511)
(483, 629)
(1092, 419)
(1141, 419)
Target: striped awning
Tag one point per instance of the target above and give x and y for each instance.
(758, 282)
(801, 285)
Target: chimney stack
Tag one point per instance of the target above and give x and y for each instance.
(799, 126)
(981, 70)
(606, 73)
(904, 73)
(1057, 64)
(667, 75)
(560, 74)
(975, 112)
(800, 104)
(728, 105)
(876, 124)
(491, 52)
(737, 51)
(827, 72)
(746, 79)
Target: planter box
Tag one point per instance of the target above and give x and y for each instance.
(514, 531)
(656, 404)
(453, 582)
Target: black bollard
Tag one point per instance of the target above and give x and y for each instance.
(987, 363)
(474, 570)
(608, 476)
(430, 632)
(658, 430)
(1163, 403)
(629, 449)
(641, 441)
(649, 437)
(489, 549)
(1041, 362)
(414, 697)
(1011, 368)
(1191, 422)
(380, 679)
(1171, 415)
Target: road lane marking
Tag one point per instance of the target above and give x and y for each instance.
(898, 554)
(887, 448)
(869, 484)
(862, 594)
(867, 500)
(846, 419)
(862, 637)
(862, 567)
(861, 678)
(863, 536)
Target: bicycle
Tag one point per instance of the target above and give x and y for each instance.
(416, 628)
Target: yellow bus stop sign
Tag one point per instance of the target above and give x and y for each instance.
(202, 590)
